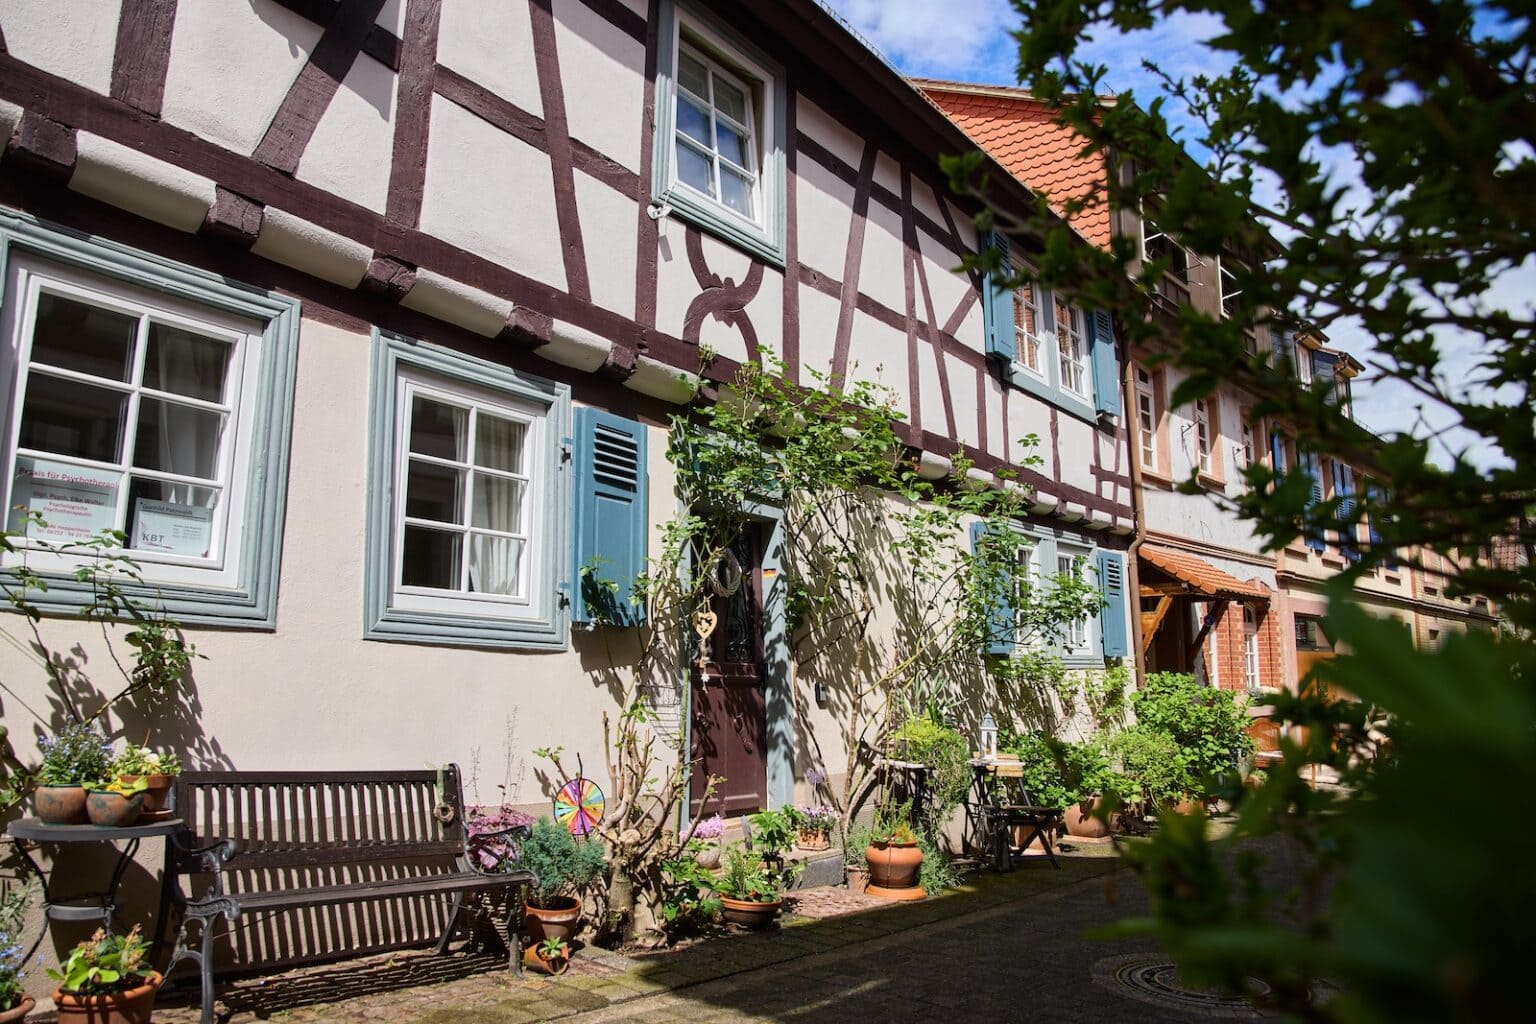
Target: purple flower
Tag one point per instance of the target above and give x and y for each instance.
(709, 828)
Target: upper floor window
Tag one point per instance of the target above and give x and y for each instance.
(1203, 434)
(1227, 270)
(149, 418)
(719, 156)
(1304, 364)
(1027, 327)
(1250, 444)
(1157, 246)
(1070, 348)
(1146, 419)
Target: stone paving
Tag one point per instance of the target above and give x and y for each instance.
(1003, 947)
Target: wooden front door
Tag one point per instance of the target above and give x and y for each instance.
(729, 709)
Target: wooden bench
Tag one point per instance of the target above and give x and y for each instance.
(353, 852)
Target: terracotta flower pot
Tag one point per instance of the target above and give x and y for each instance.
(808, 840)
(1081, 822)
(858, 879)
(157, 795)
(750, 913)
(131, 1007)
(60, 805)
(113, 810)
(893, 870)
(19, 1011)
(549, 965)
(559, 920)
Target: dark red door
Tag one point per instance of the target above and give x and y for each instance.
(729, 711)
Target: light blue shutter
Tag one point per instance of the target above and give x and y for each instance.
(1323, 364)
(1000, 628)
(1313, 467)
(1344, 490)
(610, 517)
(997, 302)
(1106, 364)
(1277, 451)
(1112, 620)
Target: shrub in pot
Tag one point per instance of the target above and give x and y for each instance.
(1151, 765)
(107, 979)
(158, 769)
(894, 859)
(552, 956)
(15, 1004)
(566, 868)
(1208, 726)
(855, 867)
(73, 757)
(684, 903)
(751, 889)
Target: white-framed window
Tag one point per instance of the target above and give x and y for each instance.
(720, 140)
(1146, 419)
(1230, 292)
(1028, 329)
(1250, 443)
(1250, 650)
(1074, 636)
(469, 509)
(1026, 576)
(1203, 434)
(1071, 348)
(1157, 245)
(1303, 364)
(468, 532)
(143, 402)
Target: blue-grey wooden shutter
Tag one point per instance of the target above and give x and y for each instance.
(1344, 491)
(1000, 625)
(997, 302)
(1277, 451)
(1112, 620)
(1310, 463)
(610, 517)
(1323, 364)
(1106, 364)
(1283, 341)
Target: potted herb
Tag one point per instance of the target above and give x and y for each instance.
(565, 869)
(73, 757)
(813, 826)
(158, 769)
(114, 804)
(553, 956)
(705, 844)
(751, 891)
(107, 979)
(855, 867)
(14, 1001)
(894, 858)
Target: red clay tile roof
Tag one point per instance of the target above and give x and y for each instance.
(1200, 574)
(1021, 134)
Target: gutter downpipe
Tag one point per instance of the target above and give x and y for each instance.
(1138, 511)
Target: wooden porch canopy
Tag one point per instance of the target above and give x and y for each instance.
(1168, 574)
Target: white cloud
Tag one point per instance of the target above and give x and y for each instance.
(966, 40)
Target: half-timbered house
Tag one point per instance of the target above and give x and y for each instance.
(363, 319)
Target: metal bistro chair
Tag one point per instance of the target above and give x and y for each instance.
(1000, 814)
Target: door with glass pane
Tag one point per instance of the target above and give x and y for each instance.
(729, 711)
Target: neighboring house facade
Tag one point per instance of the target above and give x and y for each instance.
(364, 322)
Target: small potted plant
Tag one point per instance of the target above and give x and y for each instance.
(552, 956)
(158, 769)
(115, 803)
(855, 867)
(894, 859)
(565, 869)
(107, 979)
(751, 890)
(15, 1004)
(813, 827)
(705, 843)
(73, 757)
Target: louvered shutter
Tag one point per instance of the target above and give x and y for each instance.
(1277, 451)
(1310, 463)
(1323, 364)
(1344, 491)
(998, 302)
(1112, 620)
(1283, 341)
(1000, 626)
(610, 517)
(1106, 364)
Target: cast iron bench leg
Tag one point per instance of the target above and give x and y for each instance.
(515, 930)
(453, 920)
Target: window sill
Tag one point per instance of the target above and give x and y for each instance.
(707, 217)
(1157, 479)
(414, 627)
(243, 607)
(1066, 401)
(1211, 482)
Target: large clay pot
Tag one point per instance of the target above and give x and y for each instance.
(131, 1007)
(19, 1011)
(1081, 822)
(750, 913)
(60, 805)
(113, 810)
(559, 920)
(893, 870)
(157, 795)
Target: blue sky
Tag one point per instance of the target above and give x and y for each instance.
(969, 40)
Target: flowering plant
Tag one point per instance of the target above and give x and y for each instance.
(11, 973)
(137, 760)
(711, 827)
(820, 819)
(105, 963)
(73, 756)
(493, 852)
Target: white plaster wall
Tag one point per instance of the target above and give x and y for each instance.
(676, 285)
(818, 331)
(823, 215)
(962, 392)
(945, 285)
(880, 275)
(878, 353)
(923, 200)
(839, 140)
(392, 17)
(491, 45)
(887, 173)
(998, 441)
(932, 399)
(231, 64)
(609, 221)
(491, 194)
(602, 75)
(767, 312)
(1027, 416)
(353, 145)
(73, 40)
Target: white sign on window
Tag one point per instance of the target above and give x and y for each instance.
(172, 528)
(75, 502)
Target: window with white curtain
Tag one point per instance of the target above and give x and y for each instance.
(1071, 348)
(1075, 631)
(129, 415)
(464, 521)
(1147, 416)
(1250, 650)
(1028, 328)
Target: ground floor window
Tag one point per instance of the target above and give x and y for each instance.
(1251, 649)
